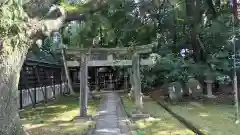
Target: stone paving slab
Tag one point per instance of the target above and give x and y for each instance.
(111, 118)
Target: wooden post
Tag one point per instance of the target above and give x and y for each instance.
(111, 82)
(125, 80)
(64, 86)
(96, 79)
(45, 87)
(26, 83)
(104, 83)
(54, 88)
(137, 81)
(35, 86)
(83, 86)
(61, 89)
(69, 81)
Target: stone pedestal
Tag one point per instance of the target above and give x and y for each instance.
(209, 89)
(139, 115)
(86, 117)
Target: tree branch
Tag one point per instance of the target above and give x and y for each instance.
(46, 17)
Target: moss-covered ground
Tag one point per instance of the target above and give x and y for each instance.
(209, 116)
(162, 122)
(212, 119)
(56, 118)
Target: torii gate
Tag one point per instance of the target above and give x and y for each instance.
(82, 54)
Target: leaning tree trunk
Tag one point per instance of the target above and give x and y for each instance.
(13, 56)
(67, 73)
(11, 61)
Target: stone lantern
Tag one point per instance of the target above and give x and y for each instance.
(209, 81)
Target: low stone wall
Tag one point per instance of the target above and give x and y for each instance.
(51, 91)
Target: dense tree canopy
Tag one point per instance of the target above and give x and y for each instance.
(203, 29)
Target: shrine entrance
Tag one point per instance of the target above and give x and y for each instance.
(110, 78)
(83, 60)
(106, 78)
(102, 78)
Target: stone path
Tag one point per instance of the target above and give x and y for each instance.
(111, 119)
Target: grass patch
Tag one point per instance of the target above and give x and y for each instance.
(212, 119)
(128, 104)
(162, 124)
(56, 118)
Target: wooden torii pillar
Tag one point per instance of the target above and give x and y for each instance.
(84, 52)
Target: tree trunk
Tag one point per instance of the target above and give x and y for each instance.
(69, 81)
(11, 61)
(193, 12)
(189, 8)
(195, 32)
(13, 56)
(174, 32)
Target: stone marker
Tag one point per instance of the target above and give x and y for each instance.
(175, 91)
(194, 88)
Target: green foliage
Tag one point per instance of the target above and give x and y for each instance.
(174, 34)
(46, 52)
(75, 33)
(168, 69)
(12, 23)
(114, 25)
(129, 23)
